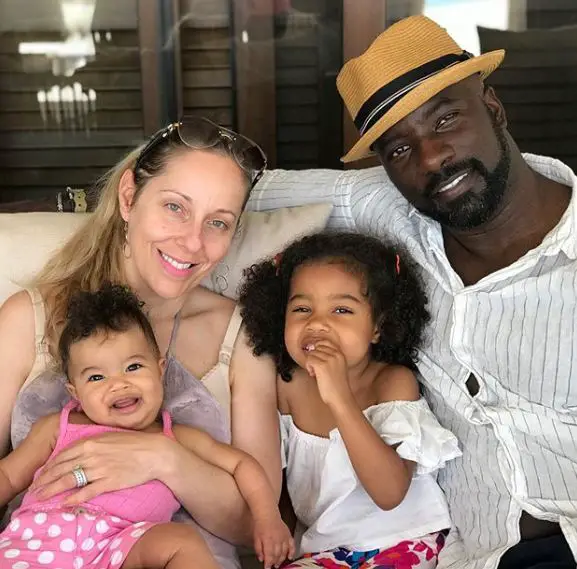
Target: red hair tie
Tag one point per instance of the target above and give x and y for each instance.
(398, 264)
(276, 262)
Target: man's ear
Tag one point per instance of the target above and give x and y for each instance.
(71, 390)
(126, 192)
(495, 106)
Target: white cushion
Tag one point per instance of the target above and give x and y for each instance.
(28, 239)
(26, 242)
(262, 234)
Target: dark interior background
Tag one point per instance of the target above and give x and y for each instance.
(265, 67)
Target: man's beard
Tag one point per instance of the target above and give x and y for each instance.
(474, 208)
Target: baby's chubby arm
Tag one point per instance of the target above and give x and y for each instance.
(273, 542)
(17, 468)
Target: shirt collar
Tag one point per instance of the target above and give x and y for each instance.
(563, 236)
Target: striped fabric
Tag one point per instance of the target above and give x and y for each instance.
(515, 330)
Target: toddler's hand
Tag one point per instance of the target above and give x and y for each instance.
(326, 363)
(273, 541)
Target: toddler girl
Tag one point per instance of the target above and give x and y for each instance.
(343, 317)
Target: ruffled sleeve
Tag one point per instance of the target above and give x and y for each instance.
(420, 438)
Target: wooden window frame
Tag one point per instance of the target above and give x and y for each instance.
(254, 74)
(363, 21)
(159, 62)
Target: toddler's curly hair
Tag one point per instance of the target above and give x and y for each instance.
(113, 308)
(391, 284)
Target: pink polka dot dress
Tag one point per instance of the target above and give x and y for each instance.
(99, 534)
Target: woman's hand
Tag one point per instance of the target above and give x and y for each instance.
(111, 461)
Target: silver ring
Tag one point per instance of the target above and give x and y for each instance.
(80, 477)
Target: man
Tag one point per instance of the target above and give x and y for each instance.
(495, 233)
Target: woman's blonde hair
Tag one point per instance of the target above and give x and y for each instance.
(93, 256)
(90, 258)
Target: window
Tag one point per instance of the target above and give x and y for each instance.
(71, 99)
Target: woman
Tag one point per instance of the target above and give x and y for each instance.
(166, 216)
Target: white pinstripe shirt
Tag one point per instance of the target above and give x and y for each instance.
(515, 330)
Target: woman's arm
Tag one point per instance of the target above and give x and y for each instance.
(255, 430)
(255, 424)
(248, 473)
(273, 541)
(17, 354)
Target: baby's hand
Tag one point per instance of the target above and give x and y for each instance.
(273, 541)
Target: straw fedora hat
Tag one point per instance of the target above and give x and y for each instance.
(404, 67)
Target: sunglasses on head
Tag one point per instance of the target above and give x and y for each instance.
(200, 133)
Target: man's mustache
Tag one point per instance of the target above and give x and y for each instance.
(438, 179)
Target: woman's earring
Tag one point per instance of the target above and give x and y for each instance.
(126, 246)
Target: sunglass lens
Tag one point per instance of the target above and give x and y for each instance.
(251, 157)
(198, 132)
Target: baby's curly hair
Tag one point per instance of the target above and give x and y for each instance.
(113, 308)
(392, 286)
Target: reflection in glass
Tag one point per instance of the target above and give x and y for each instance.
(69, 107)
(77, 47)
(71, 97)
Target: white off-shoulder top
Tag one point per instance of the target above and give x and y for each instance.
(330, 502)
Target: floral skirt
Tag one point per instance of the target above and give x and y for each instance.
(421, 553)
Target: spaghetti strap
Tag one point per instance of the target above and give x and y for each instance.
(167, 424)
(65, 414)
(227, 346)
(173, 334)
(39, 318)
(42, 358)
